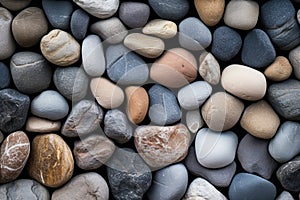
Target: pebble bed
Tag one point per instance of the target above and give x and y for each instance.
(157, 99)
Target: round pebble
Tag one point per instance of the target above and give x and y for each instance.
(134, 14)
(209, 68)
(294, 58)
(194, 120)
(5, 77)
(279, 70)
(7, 43)
(39, 125)
(15, 5)
(210, 12)
(161, 28)
(79, 24)
(171, 9)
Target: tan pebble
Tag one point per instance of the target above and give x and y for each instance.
(39, 125)
(161, 28)
(210, 11)
(279, 70)
(209, 68)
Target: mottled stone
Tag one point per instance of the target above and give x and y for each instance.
(194, 120)
(134, 14)
(210, 12)
(5, 77)
(39, 125)
(79, 24)
(170, 9)
(280, 69)
(7, 43)
(161, 28)
(289, 174)
(209, 68)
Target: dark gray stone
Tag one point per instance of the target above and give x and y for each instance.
(4, 76)
(289, 175)
(79, 24)
(134, 14)
(170, 9)
(14, 108)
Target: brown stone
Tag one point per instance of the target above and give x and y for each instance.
(210, 11)
(51, 162)
(15, 4)
(39, 125)
(279, 70)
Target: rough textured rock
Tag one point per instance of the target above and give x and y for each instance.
(210, 12)
(15, 5)
(280, 69)
(194, 120)
(79, 24)
(209, 68)
(39, 125)
(134, 14)
(161, 28)
(172, 9)
(7, 43)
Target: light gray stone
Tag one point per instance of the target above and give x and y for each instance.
(7, 43)
(209, 68)
(285, 196)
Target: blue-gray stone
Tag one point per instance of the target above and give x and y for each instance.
(258, 50)
(289, 175)
(226, 43)
(251, 187)
(163, 109)
(4, 76)
(170, 9)
(134, 14)
(114, 52)
(79, 24)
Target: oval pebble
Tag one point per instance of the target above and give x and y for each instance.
(5, 77)
(171, 9)
(39, 125)
(210, 12)
(7, 42)
(209, 68)
(15, 5)
(79, 24)
(161, 28)
(194, 120)
(280, 69)
(134, 14)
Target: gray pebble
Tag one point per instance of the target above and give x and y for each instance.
(114, 52)
(294, 58)
(79, 24)
(285, 196)
(170, 9)
(134, 14)
(289, 175)
(5, 77)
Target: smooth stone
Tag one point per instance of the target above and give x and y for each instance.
(31, 73)
(251, 187)
(285, 196)
(289, 174)
(215, 149)
(286, 143)
(163, 106)
(85, 117)
(50, 105)
(128, 175)
(254, 156)
(58, 12)
(280, 69)
(79, 24)
(294, 58)
(87, 186)
(101, 9)
(218, 177)
(164, 29)
(14, 152)
(60, 48)
(5, 77)
(210, 12)
(7, 42)
(202, 189)
(117, 126)
(15, 5)
(39, 125)
(147, 46)
(29, 26)
(194, 120)
(284, 98)
(114, 52)
(93, 60)
(222, 111)
(161, 146)
(134, 14)
(209, 68)
(193, 34)
(192, 96)
(175, 68)
(264, 53)
(252, 83)
(226, 43)
(169, 183)
(51, 161)
(170, 9)
(260, 120)
(111, 30)
(93, 151)
(15, 105)
(71, 82)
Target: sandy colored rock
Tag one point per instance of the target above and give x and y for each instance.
(40, 125)
(260, 120)
(175, 68)
(279, 70)
(210, 11)
(209, 68)
(161, 28)
(15, 4)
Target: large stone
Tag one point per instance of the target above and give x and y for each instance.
(210, 12)
(7, 43)
(289, 174)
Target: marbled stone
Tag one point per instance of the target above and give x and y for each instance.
(210, 12)
(289, 174)
(170, 9)
(7, 43)
(5, 77)
(161, 28)
(40, 125)
(79, 24)
(209, 68)
(281, 69)
(134, 14)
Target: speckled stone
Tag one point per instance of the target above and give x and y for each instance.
(79, 24)
(7, 42)
(134, 14)
(171, 9)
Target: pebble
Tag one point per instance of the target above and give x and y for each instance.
(5, 77)
(164, 29)
(175, 68)
(210, 12)
(252, 83)
(252, 187)
(284, 98)
(29, 26)
(285, 196)
(209, 68)
(192, 96)
(134, 14)
(260, 120)
(286, 143)
(71, 82)
(15, 151)
(264, 53)
(112, 30)
(107, 94)
(93, 151)
(215, 149)
(101, 9)
(170, 9)
(226, 43)
(222, 111)
(218, 177)
(294, 57)
(114, 52)
(15, 5)
(31, 73)
(147, 46)
(194, 120)
(117, 126)
(39, 125)
(50, 105)
(14, 106)
(202, 189)
(24, 189)
(280, 69)
(137, 103)
(169, 183)
(242, 14)
(87, 186)
(58, 12)
(79, 24)
(60, 48)
(161, 146)
(85, 117)
(51, 162)
(7, 42)
(128, 175)
(254, 156)
(193, 34)
(163, 106)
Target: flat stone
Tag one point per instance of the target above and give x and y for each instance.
(5, 77)
(134, 14)
(294, 58)
(289, 174)
(210, 12)
(79, 24)
(209, 68)
(15, 5)
(7, 42)
(280, 69)
(160, 28)
(39, 125)
(194, 120)
(171, 9)
(285, 196)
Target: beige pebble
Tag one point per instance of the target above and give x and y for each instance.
(279, 70)
(210, 11)
(209, 68)
(161, 28)
(39, 125)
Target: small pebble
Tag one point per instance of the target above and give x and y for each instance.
(285, 196)
(170, 9)
(7, 42)
(39, 125)
(134, 14)
(79, 24)
(194, 120)
(294, 58)
(210, 12)
(5, 77)
(209, 68)
(164, 29)
(15, 5)
(280, 69)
